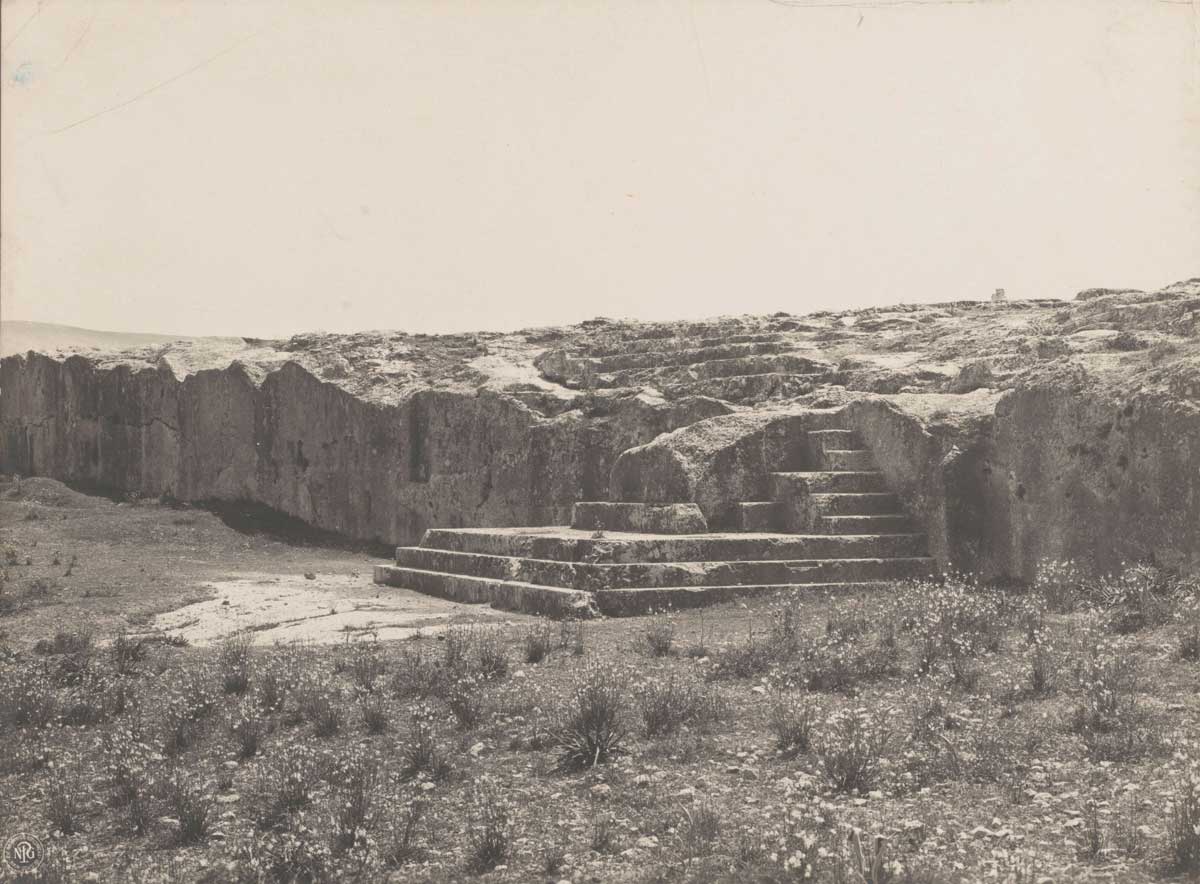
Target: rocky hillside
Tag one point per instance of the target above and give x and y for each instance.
(1019, 431)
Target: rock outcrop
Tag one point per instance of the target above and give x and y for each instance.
(1010, 432)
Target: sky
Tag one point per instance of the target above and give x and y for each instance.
(265, 168)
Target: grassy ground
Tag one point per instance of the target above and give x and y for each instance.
(933, 733)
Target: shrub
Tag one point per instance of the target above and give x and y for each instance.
(64, 801)
(1139, 597)
(366, 665)
(956, 619)
(467, 704)
(791, 719)
(374, 714)
(604, 834)
(1044, 668)
(491, 656)
(320, 705)
(592, 728)
(233, 659)
(128, 654)
(753, 658)
(274, 683)
(247, 730)
(27, 697)
(421, 753)
(572, 636)
(700, 830)
(400, 844)
(659, 637)
(283, 786)
(355, 794)
(489, 829)
(667, 704)
(1110, 717)
(1183, 835)
(417, 675)
(1060, 584)
(850, 748)
(1189, 642)
(536, 643)
(191, 805)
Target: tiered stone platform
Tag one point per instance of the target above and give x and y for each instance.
(744, 368)
(832, 527)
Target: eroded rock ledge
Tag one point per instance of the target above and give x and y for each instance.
(1017, 432)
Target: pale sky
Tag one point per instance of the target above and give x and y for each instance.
(265, 168)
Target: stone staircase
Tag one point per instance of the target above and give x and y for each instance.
(745, 368)
(831, 524)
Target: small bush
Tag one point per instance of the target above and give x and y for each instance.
(247, 730)
(491, 656)
(791, 719)
(700, 830)
(283, 786)
(1139, 597)
(489, 829)
(128, 654)
(1044, 670)
(366, 665)
(1183, 835)
(321, 706)
(64, 801)
(659, 637)
(604, 834)
(27, 697)
(1062, 585)
(400, 845)
(572, 637)
(1189, 642)
(355, 795)
(668, 704)
(417, 675)
(536, 643)
(233, 660)
(467, 704)
(421, 753)
(753, 658)
(191, 804)
(591, 731)
(374, 714)
(850, 748)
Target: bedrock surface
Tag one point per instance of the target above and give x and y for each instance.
(1011, 432)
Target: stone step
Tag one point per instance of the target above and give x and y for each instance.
(551, 601)
(842, 481)
(649, 518)
(746, 387)
(893, 523)
(665, 357)
(781, 363)
(596, 577)
(571, 545)
(674, 343)
(760, 516)
(864, 504)
(627, 602)
(858, 459)
(832, 440)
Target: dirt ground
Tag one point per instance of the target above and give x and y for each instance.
(140, 566)
(790, 739)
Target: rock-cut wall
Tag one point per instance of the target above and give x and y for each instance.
(308, 448)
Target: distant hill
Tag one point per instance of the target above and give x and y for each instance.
(46, 337)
